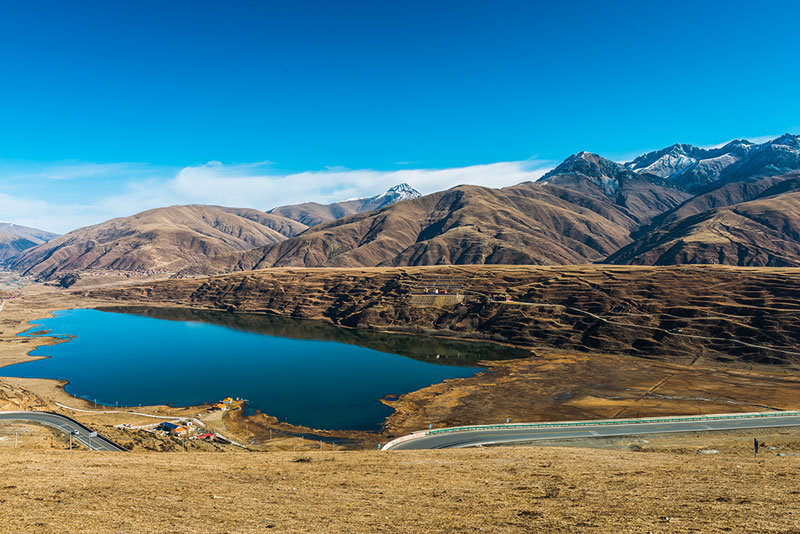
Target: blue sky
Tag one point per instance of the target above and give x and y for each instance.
(113, 107)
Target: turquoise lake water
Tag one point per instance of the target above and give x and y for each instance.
(302, 372)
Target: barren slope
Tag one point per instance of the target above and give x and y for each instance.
(531, 223)
(642, 196)
(163, 239)
(727, 195)
(313, 213)
(12, 245)
(764, 232)
(14, 239)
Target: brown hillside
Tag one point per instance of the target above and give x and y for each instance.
(15, 238)
(165, 239)
(531, 223)
(12, 245)
(714, 312)
(729, 194)
(313, 213)
(764, 232)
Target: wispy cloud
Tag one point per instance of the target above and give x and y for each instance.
(130, 188)
(70, 170)
(42, 214)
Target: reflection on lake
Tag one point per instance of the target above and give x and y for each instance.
(304, 372)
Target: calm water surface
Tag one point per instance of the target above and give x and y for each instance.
(303, 372)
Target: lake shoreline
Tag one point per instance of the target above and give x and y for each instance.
(289, 369)
(26, 313)
(534, 389)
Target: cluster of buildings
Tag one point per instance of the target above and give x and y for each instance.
(439, 285)
(188, 429)
(185, 429)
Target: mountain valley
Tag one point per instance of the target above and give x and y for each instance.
(732, 205)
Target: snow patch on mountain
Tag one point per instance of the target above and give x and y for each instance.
(693, 168)
(602, 172)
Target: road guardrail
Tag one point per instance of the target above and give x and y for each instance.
(676, 419)
(572, 424)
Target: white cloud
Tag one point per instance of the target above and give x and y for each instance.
(239, 186)
(42, 214)
(251, 185)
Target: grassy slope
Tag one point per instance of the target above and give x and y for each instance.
(495, 490)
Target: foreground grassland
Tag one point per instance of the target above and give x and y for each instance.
(511, 490)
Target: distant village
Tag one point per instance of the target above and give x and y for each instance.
(190, 427)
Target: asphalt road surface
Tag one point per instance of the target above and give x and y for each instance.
(508, 434)
(80, 433)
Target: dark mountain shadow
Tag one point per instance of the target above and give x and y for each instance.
(426, 349)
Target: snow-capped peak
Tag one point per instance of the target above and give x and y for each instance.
(694, 168)
(787, 139)
(399, 192)
(599, 170)
(394, 194)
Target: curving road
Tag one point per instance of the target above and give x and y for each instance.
(80, 433)
(518, 433)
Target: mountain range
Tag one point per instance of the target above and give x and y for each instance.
(14, 239)
(312, 213)
(736, 204)
(164, 239)
(698, 169)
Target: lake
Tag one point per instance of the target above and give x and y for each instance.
(303, 372)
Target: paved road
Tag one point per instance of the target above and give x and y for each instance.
(79, 432)
(455, 438)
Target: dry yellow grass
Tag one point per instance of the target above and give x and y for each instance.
(22, 436)
(560, 385)
(669, 488)
(487, 490)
